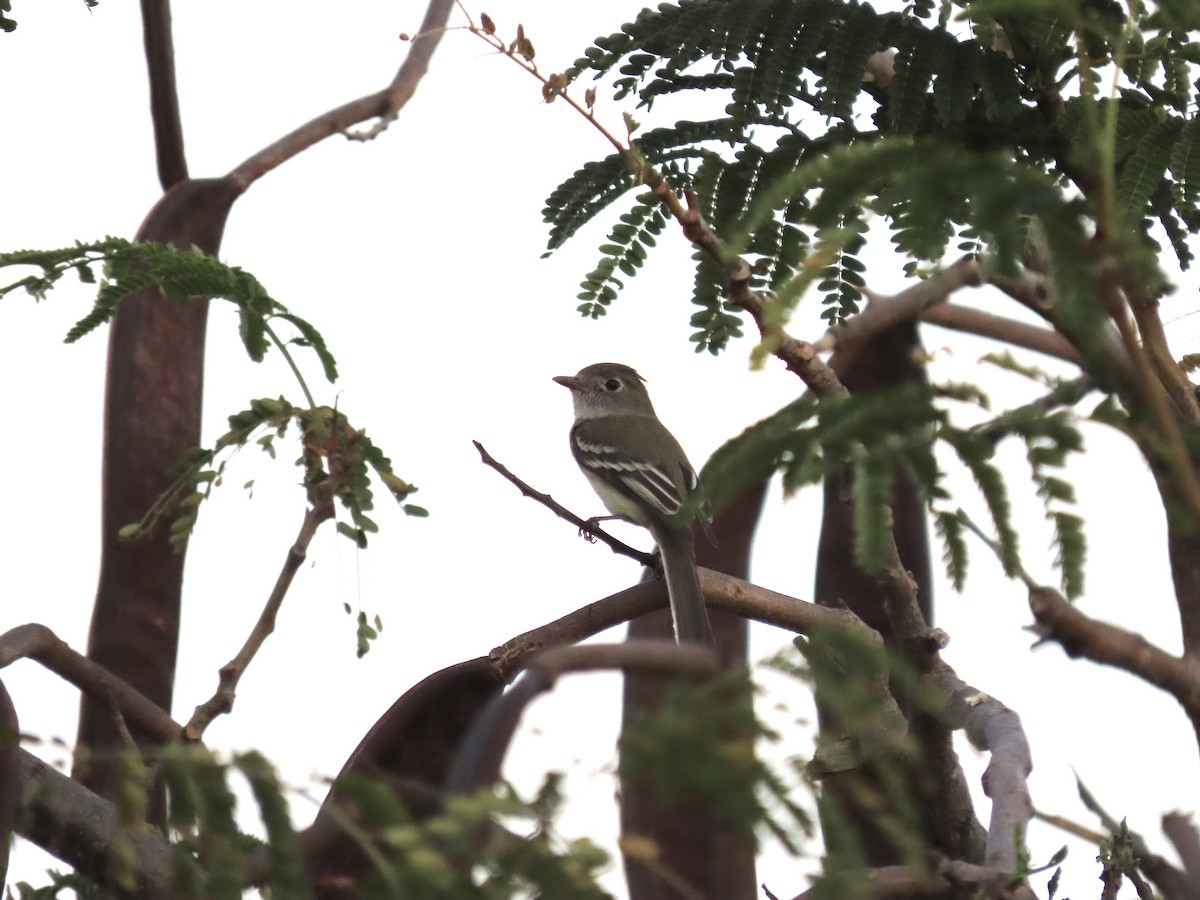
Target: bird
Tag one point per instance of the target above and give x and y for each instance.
(641, 475)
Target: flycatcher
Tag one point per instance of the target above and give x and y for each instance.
(642, 476)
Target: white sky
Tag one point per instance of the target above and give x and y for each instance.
(417, 256)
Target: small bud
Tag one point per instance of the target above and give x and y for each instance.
(589, 97)
(404, 36)
(485, 21)
(522, 45)
(553, 86)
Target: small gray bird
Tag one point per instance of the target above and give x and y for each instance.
(642, 476)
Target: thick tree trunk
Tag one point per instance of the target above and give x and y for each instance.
(151, 419)
(690, 840)
(851, 814)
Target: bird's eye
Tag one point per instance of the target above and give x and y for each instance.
(612, 385)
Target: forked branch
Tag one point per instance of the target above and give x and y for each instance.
(383, 105)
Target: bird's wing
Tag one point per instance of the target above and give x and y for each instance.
(662, 486)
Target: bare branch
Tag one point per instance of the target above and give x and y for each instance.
(231, 673)
(1181, 832)
(164, 98)
(950, 880)
(883, 313)
(384, 104)
(1081, 636)
(40, 643)
(991, 724)
(585, 527)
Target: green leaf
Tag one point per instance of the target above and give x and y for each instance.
(949, 527)
(131, 532)
(1145, 169)
(853, 42)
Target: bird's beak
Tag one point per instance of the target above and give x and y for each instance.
(569, 381)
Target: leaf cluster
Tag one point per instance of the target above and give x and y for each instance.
(701, 743)
(871, 437)
(490, 845)
(948, 134)
(128, 268)
(338, 462)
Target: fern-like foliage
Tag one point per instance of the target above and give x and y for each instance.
(411, 857)
(875, 435)
(129, 267)
(334, 457)
(626, 250)
(806, 81)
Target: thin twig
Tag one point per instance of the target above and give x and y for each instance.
(38, 642)
(1174, 884)
(585, 526)
(231, 673)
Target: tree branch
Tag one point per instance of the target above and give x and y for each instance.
(590, 529)
(1174, 884)
(384, 104)
(721, 591)
(884, 313)
(1081, 636)
(1181, 832)
(38, 642)
(231, 673)
(164, 98)
(992, 725)
(950, 880)
(10, 777)
(1008, 331)
(482, 753)
(68, 821)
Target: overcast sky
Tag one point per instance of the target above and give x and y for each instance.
(417, 255)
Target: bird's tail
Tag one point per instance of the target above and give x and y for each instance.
(688, 612)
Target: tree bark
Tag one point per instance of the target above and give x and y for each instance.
(151, 419)
(691, 841)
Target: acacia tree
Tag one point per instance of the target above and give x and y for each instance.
(1053, 145)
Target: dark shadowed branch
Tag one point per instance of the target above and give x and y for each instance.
(481, 756)
(1181, 832)
(10, 777)
(164, 99)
